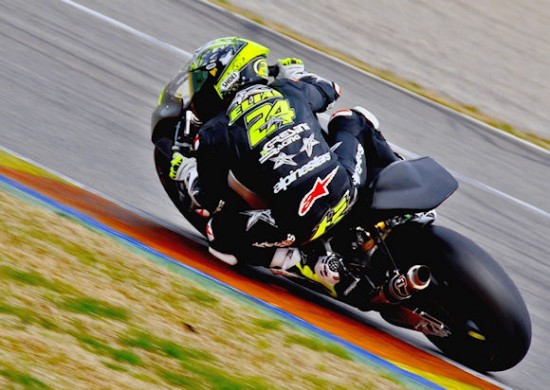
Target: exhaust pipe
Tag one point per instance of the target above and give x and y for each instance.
(418, 278)
(402, 286)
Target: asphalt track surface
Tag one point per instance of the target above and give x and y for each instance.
(79, 82)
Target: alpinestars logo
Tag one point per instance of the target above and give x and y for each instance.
(296, 174)
(318, 191)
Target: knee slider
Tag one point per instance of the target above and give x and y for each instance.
(357, 121)
(369, 116)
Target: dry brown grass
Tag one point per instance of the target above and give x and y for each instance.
(79, 310)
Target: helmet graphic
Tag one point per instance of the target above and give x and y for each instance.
(220, 68)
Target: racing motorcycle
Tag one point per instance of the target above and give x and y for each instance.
(416, 274)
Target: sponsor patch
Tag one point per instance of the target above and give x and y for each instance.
(258, 215)
(281, 141)
(308, 145)
(231, 79)
(356, 177)
(318, 191)
(283, 159)
(295, 174)
(333, 216)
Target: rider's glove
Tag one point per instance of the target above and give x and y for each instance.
(291, 68)
(184, 169)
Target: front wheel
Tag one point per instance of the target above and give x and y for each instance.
(485, 320)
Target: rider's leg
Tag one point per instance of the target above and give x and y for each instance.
(328, 270)
(362, 148)
(248, 236)
(253, 237)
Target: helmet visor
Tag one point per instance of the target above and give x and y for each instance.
(197, 78)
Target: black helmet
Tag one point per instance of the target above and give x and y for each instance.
(220, 68)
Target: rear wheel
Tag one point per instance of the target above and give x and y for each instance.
(488, 324)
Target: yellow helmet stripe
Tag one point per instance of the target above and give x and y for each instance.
(248, 52)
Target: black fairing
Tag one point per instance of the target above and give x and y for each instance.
(411, 185)
(169, 109)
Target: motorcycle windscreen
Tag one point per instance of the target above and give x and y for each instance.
(172, 100)
(412, 185)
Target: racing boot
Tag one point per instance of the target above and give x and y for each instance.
(425, 218)
(328, 271)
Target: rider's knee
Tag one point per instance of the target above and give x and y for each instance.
(358, 121)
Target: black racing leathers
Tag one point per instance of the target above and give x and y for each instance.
(269, 148)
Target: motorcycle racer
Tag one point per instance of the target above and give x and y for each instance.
(263, 142)
(244, 160)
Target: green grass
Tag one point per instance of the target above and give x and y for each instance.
(268, 323)
(177, 379)
(27, 316)
(318, 345)
(202, 296)
(94, 307)
(28, 381)
(33, 278)
(152, 343)
(102, 348)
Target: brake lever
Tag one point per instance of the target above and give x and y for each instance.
(183, 142)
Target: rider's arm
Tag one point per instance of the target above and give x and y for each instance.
(321, 93)
(212, 165)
